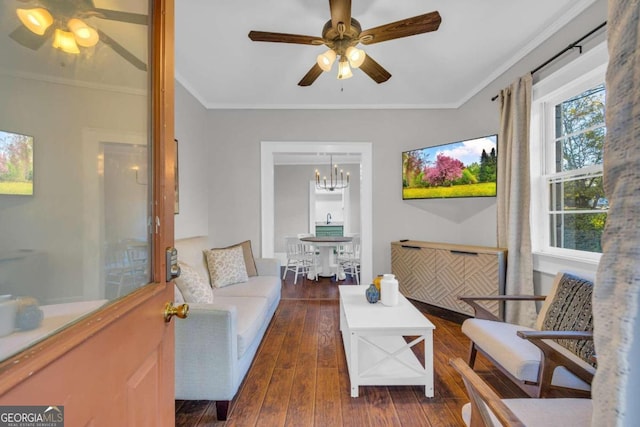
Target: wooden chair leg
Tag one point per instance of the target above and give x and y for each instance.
(473, 351)
(222, 408)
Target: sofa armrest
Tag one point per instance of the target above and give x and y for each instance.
(206, 356)
(268, 266)
(481, 312)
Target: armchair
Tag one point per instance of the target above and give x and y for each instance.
(486, 409)
(558, 353)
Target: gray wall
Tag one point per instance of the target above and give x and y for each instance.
(231, 146)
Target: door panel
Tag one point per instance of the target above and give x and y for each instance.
(115, 377)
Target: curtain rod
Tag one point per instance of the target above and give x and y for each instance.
(572, 46)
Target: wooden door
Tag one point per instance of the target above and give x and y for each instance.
(116, 366)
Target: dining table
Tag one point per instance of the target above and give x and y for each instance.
(326, 246)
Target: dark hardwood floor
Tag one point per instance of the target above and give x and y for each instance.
(299, 376)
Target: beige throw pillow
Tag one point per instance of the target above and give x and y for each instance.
(193, 287)
(226, 266)
(247, 252)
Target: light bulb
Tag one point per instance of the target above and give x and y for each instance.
(356, 56)
(325, 60)
(36, 20)
(344, 71)
(65, 41)
(84, 34)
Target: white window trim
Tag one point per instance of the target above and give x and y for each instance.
(585, 72)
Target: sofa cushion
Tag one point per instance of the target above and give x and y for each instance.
(259, 286)
(193, 287)
(251, 315)
(226, 266)
(247, 253)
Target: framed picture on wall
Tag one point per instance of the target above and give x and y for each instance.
(176, 208)
(16, 164)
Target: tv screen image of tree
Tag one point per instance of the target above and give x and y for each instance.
(459, 169)
(16, 164)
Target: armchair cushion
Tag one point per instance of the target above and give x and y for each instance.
(570, 412)
(519, 357)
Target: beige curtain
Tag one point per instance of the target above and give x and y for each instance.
(616, 386)
(514, 197)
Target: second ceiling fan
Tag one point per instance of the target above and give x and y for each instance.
(343, 33)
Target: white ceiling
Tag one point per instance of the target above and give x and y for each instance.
(477, 41)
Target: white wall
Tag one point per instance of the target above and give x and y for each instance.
(193, 165)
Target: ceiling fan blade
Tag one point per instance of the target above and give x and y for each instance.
(117, 15)
(403, 28)
(375, 70)
(311, 76)
(264, 36)
(26, 38)
(340, 12)
(120, 50)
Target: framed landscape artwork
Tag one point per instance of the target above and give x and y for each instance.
(16, 164)
(459, 169)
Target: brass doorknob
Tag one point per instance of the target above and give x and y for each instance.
(171, 310)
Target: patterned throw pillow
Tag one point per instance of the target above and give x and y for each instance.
(571, 310)
(192, 286)
(247, 252)
(226, 266)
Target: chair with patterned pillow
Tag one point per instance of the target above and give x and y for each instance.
(558, 353)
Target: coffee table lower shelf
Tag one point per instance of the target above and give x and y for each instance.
(384, 360)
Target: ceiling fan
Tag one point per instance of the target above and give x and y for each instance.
(343, 33)
(64, 21)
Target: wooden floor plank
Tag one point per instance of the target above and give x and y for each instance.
(276, 403)
(328, 411)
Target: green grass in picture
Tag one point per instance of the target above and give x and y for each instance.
(471, 190)
(16, 188)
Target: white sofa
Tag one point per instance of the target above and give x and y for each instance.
(217, 342)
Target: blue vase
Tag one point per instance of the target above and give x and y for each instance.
(373, 294)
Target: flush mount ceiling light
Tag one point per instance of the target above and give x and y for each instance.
(342, 34)
(66, 23)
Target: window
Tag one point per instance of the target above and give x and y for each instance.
(577, 207)
(569, 208)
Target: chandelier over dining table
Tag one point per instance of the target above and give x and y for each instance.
(336, 181)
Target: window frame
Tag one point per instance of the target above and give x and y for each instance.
(585, 72)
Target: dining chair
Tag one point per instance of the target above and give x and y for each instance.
(300, 259)
(349, 258)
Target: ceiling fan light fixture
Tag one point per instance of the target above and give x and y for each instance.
(325, 60)
(36, 20)
(344, 71)
(65, 41)
(85, 35)
(356, 56)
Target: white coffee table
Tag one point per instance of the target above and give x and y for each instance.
(376, 351)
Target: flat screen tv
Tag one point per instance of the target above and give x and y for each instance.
(16, 164)
(458, 169)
